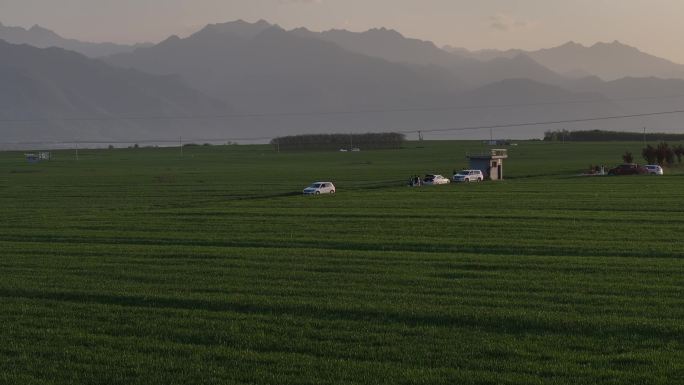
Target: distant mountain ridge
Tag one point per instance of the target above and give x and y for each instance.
(40, 37)
(393, 46)
(259, 64)
(257, 80)
(64, 95)
(261, 67)
(609, 61)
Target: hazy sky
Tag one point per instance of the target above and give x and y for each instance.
(654, 26)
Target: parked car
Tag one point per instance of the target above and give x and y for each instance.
(654, 169)
(435, 179)
(628, 169)
(468, 176)
(318, 188)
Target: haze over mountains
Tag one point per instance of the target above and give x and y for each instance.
(261, 67)
(394, 47)
(274, 82)
(609, 61)
(40, 37)
(53, 94)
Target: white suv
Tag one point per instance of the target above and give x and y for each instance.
(318, 188)
(654, 169)
(469, 176)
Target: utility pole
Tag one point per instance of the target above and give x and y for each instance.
(76, 150)
(644, 136)
(180, 144)
(351, 141)
(491, 136)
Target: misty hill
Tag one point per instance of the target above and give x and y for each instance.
(522, 100)
(387, 44)
(281, 83)
(632, 87)
(393, 46)
(638, 95)
(40, 37)
(484, 54)
(507, 91)
(517, 67)
(609, 61)
(260, 67)
(53, 86)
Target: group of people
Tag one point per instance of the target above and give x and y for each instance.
(597, 170)
(415, 181)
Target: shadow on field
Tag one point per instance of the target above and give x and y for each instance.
(378, 185)
(263, 196)
(513, 322)
(546, 250)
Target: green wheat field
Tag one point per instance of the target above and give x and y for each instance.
(142, 266)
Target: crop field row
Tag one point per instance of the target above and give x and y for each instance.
(137, 266)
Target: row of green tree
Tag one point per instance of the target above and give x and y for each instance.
(663, 154)
(370, 141)
(606, 136)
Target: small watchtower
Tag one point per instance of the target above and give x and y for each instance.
(490, 164)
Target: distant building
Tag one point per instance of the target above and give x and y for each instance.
(35, 158)
(490, 164)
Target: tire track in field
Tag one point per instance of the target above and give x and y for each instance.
(488, 249)
(513, 322)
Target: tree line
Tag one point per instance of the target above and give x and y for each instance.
(663, 154)
(369, 141)
(607, 136)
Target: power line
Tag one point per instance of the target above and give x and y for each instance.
(466, 128)
(332, 113)
(549, 122)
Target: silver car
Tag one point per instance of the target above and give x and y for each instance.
(318, 188)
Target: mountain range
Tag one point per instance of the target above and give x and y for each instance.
(265, 81)
(40, 37)
(265, 68)
(609, 61)
(394, 47)
(53, 94)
